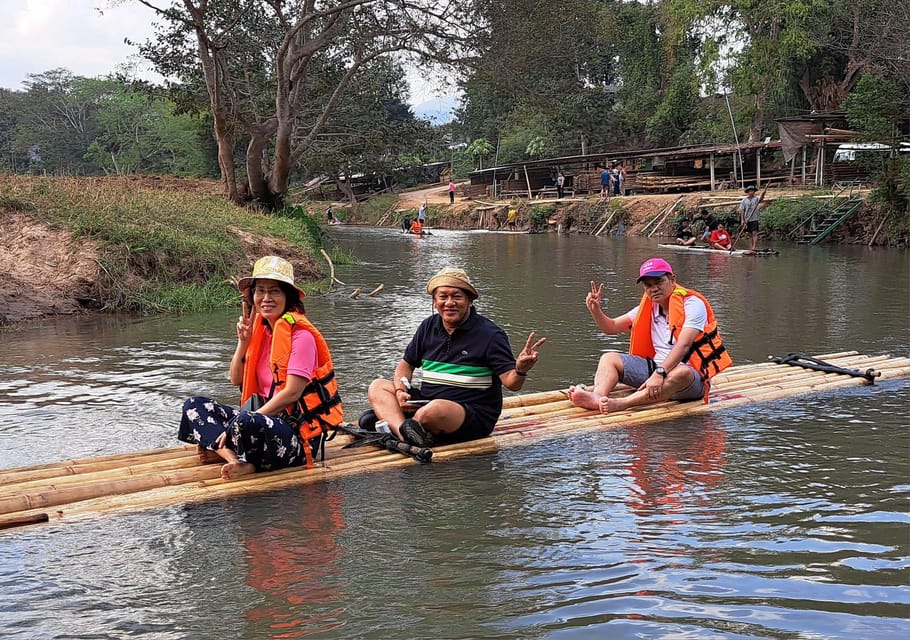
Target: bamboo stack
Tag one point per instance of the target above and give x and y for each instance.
(72, 489)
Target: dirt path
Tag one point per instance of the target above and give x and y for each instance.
(437, 194)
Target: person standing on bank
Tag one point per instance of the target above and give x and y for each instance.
(451, 191)
(560, 185)
(605, 181)
(749, 214)
(282, 360)
(674, 351)
(465, 360)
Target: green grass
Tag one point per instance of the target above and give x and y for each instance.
(161, 250)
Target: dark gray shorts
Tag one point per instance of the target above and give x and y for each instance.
(752, 225)
(636, 371)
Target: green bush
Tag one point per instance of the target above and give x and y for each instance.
(782, 216)
(538, 216)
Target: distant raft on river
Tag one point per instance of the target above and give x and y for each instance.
(79, 489)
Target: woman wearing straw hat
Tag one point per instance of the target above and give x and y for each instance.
(465, 361)
(282, 361)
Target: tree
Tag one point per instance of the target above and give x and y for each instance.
(480, 149)
(139, 132)
(546, 63)
(57, 123)
(11, 108)
(276, 71)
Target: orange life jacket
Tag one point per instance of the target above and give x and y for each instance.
(319, 407)
(708, 354)
(416, 227)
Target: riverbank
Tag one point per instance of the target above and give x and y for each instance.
(151, 244)
(132, 244)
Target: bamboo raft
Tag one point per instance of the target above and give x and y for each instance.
(76, 489)
(725, 252)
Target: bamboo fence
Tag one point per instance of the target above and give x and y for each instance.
(73, 489)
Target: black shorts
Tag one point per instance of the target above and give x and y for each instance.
(752, 225)
(477, 424)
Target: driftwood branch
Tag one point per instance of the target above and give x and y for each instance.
(332, 277)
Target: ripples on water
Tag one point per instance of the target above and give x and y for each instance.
(779, 520)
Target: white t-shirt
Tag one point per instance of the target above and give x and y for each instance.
(696, 318)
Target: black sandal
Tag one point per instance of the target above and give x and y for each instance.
(413, 433)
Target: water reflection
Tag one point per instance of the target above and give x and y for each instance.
(667, 471)
(291, 563)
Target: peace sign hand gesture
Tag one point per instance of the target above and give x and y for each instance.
(528, 356)
(593, 299)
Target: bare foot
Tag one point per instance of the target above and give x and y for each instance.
(207, 457)
(234, 470)
(608, 404)
(583, 398)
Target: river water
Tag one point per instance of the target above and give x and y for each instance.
(786, 519)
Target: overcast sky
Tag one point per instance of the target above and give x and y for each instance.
(86, 37)
(38, 35)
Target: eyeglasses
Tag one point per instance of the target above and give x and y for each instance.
(272, 292)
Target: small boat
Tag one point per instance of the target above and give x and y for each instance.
(735, 252)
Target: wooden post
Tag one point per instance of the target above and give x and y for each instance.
(803, 179)
(527, 181)
(821, 165)
(758, 168)
(879, 228)
(711, 164)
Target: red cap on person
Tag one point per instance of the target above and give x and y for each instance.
(654, 268)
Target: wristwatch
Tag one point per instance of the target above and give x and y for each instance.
(661, 372)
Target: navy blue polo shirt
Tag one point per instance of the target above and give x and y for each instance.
(463, 366)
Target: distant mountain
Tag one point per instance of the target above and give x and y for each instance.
(437, 110)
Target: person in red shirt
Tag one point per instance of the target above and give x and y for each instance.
(720, 239)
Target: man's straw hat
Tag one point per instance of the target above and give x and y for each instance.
(452, 277)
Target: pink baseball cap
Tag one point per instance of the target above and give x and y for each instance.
(654, 268)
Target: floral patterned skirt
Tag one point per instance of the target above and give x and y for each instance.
(267, 442)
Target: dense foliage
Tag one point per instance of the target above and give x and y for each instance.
(267, 93)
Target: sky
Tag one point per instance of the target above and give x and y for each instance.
(39, 35)
(87, 37)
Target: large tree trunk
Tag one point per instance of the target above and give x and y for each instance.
(261, 189)
(224, 136)
(213, 71)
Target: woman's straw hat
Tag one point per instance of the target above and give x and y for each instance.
(271, 268)
(452, 277)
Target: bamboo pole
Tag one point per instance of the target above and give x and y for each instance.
(513, 406)
(878, 228)
(542, 415)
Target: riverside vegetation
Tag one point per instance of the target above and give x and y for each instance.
(154, 244)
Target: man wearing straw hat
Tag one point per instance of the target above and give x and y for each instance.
(674, 351)
(465, 360)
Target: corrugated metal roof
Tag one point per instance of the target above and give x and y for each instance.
(668, 153)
